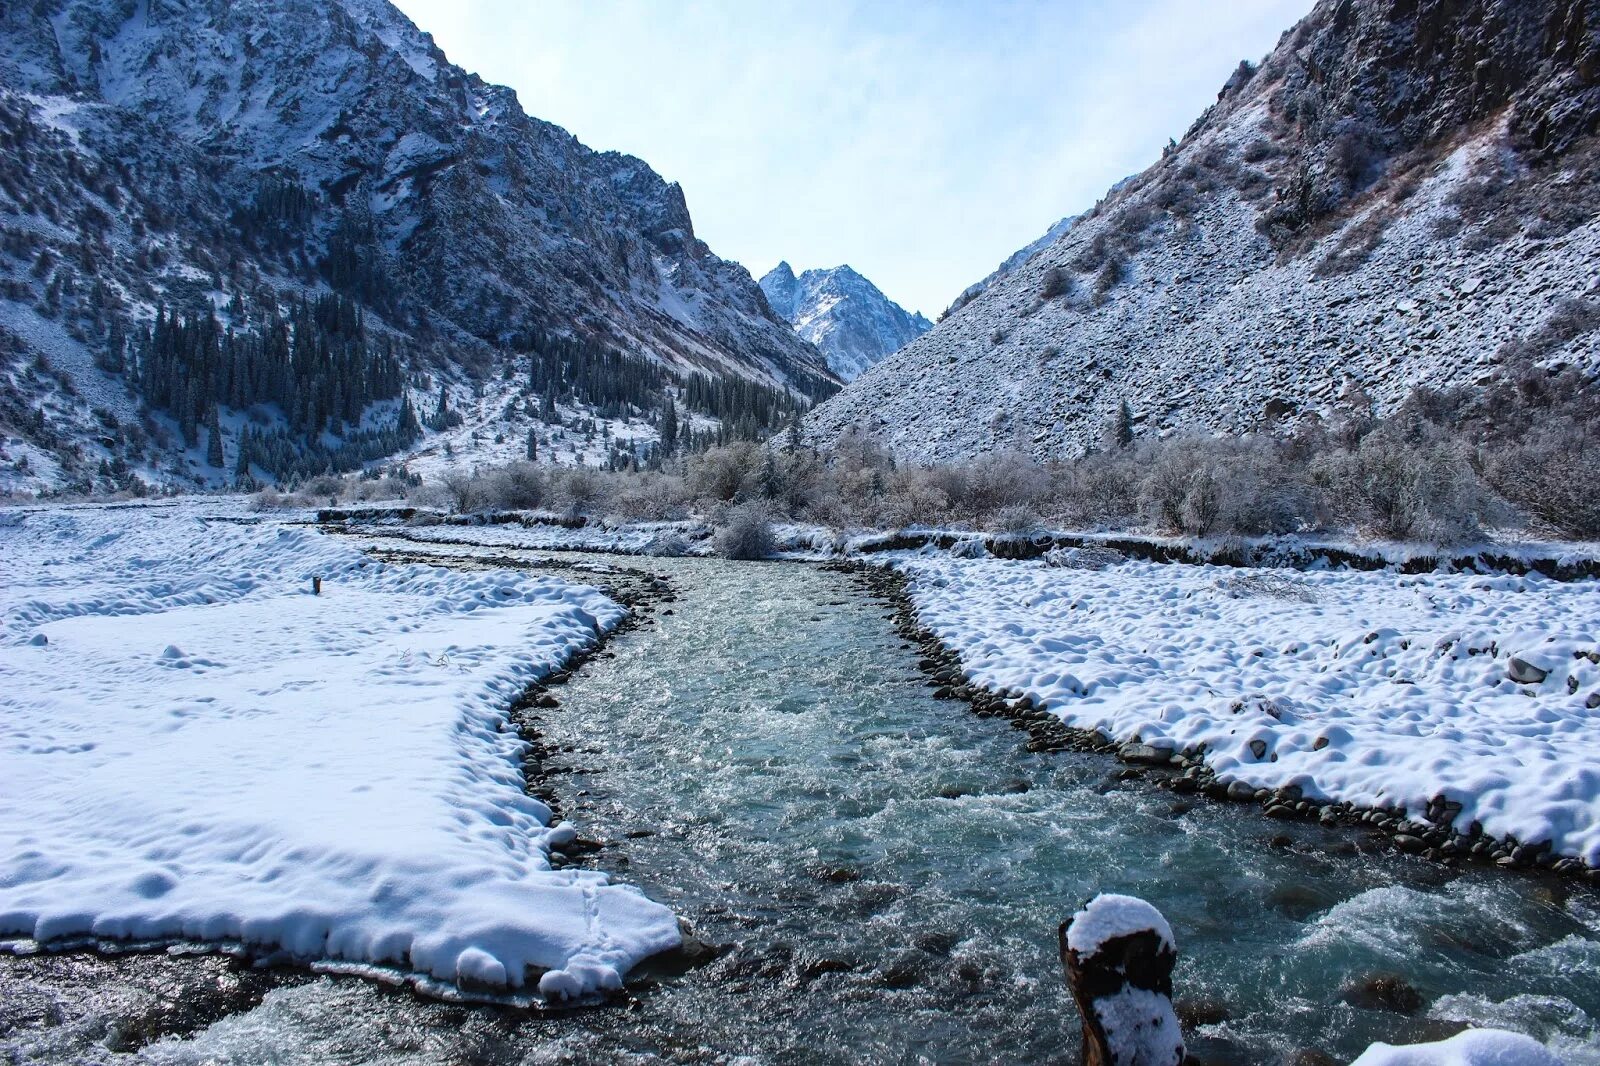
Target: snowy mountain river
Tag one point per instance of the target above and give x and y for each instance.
(888, 871)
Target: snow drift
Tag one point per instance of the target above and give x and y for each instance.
(196, 746)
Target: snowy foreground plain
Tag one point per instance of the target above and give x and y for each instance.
(1375, 688)
(195, 746)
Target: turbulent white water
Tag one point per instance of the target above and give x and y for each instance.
(891, 870)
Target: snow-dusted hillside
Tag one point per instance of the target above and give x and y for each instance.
(1397, 194)
(850, 321)
(1012, 262)
(203, 154)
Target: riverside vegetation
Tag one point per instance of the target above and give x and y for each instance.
(1442, 468)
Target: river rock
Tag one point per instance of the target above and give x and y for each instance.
(1143, 753)
(1193, 1013)
(1411, 845)
(1310, 1056)
(1239, 792)
(1387, 992)
(1525, 673)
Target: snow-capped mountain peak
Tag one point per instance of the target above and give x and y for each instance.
(846, 316)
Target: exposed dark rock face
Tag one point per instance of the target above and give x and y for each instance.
(1364, 82)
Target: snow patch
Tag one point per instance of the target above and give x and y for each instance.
(1380, 689)
(1475, 1047)
(1109, 916)
(202, 748)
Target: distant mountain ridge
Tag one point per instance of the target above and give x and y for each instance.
(233, 154)
(1402, 194)
(846, 316)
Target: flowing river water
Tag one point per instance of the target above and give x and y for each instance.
(887, 872)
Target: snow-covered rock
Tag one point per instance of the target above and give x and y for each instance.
(1360, 215)
(850, 321)
(1119, 954)
(1110, 915)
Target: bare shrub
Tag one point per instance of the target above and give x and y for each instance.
(1164, 486)
(1110, 276)
(577, 490)
(1135, 219)
(1017, 520)
(1202, 500)
(460, 490)
(913, 497)
(517, 487)
(1258, 149)
(1266, 583)
(1098, 489)
(1087, 557)
(1553, 479)
(1057, 283)
(745, 532)
(269, 500)
(726, 474)
(1408, 489)
(649, 497)
(1093, 255)
(999, 481)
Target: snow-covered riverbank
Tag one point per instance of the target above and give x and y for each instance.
(1478, 695)
(196, 746)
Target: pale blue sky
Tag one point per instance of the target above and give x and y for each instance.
(921, 143)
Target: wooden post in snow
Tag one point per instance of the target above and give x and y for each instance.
(316, 586)
(1118, 954)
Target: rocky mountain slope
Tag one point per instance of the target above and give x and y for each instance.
(237, 156)
(850, 321)
(1405, 192)
(1012, 262)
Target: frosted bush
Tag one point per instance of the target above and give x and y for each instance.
(1406, 489)
(1087, 557)
(1017, 519)
(745, 532)
(1271, 585)
(969, 548)
(518, 487)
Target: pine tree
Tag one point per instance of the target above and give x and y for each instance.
(241, 467)
(669, 427)
(214, 456)
(1119, 428)
(533, 446)
(407, 422)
